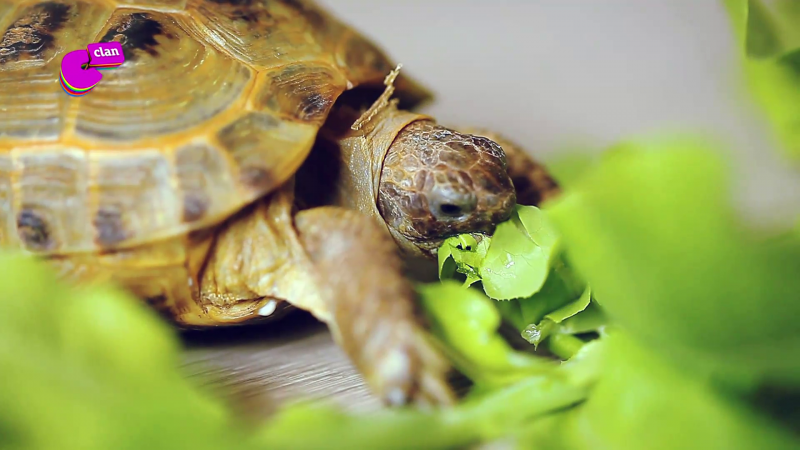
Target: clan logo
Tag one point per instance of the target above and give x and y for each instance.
(79, 68)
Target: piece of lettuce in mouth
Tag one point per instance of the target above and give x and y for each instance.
(513, 263)
(522, 267)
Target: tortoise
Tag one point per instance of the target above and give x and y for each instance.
(249, 156)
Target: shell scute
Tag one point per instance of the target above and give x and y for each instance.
(169, 83)
(263, 34)
(166, 5)
(31, 38)
(204, 178)
(266, 149)
(51, 197)
(135, 198)
(303, 92)
(362, 61)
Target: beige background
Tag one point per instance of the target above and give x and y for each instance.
(546, 73)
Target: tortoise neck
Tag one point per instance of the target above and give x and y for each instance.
(345, 165)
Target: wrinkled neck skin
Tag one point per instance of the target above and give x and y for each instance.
(345, 166)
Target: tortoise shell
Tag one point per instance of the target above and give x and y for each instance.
(218, 103)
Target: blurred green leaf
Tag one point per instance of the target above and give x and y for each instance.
(591, 319)
(479, 418)
(561, 287)
(765, 29)
(642, 401)
(768, 34)
(652, 232)
(776, 87)
(96, 369)
(93, 369)
(316, 426)
(762, 39)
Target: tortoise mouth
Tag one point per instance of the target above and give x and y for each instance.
(430, 248)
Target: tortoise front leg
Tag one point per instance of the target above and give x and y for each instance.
(372, 306)
(531, 180)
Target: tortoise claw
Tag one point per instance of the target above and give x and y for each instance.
(411, 374)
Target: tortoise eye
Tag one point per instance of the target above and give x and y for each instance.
(450, 210)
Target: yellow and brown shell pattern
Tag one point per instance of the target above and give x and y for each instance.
(218, 102)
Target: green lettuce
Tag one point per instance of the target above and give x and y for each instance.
(467, 323)
(535, 333)
(701, 308)
(93, 369)
(652, 230)
(644, 401)
(480, 418)
(768, 35)
(513, 263)
(522, 266)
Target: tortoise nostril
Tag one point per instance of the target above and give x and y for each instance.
(451, 210)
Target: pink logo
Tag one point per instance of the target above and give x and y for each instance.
(79, 68)
(106, 54)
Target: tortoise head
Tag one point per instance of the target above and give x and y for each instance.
(436, 183)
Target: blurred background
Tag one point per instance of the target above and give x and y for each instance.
(548, 74)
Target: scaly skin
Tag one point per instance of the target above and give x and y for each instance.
(372, 306)
(437, 183)
(532, 182)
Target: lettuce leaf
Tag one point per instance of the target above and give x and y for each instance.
(536, 333)
(93, 369)
(513, 263)
(467, 323)
(463, 254)
(652, 231)
(644, 401)
(768, 34)
(522, 266)
(519, 256)
(97, 369)
(480, 418)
